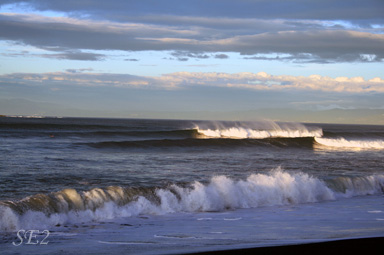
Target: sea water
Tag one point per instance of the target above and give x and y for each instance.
(71, 185)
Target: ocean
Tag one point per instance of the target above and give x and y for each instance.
(135, 186)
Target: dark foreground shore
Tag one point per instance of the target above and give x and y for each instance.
(371, 245)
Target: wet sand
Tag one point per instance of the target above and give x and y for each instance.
(369, 245)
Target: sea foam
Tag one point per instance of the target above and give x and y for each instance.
(221, 193)
(351, 144)
(294, 130)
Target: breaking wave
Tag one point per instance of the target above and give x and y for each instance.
(235, 134)
(353, 144)
(225, 135)
(221, 193)
(276, 131)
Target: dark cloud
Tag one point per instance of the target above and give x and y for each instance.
(221, 56)
(303, 58)
(270, 9)
(66, 33)
(185, 55)
(80, 70)
(318, 46)
(75, 55)
(192, 33)
(70, 36)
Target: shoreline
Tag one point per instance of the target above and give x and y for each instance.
(372, 244)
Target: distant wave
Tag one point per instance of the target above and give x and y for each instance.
(221, 193)
(153, 134)
(196, 142)
(242, 133)
(223, 134)
(352, 144)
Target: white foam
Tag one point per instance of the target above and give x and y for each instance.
(221, 193)
(244, 132)
(8, 219)
(232, 219)
(125, 243)
(351, 144)
(257, 190)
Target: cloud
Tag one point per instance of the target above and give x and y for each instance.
(76, 55)
(76, 77)
(302, 41)
(221, 56)
(54, 33)
(251, 81)
(264, 81)
(270, 9)
(338, 46)
(80, 70)
(185, 55)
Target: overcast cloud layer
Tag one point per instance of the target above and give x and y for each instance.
(311, 31)
(293, 9)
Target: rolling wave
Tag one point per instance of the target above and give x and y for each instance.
(187, 134)
(232, 137)
(243, 133)
(223, 136)
(221, 193)
(351, 144)
(196, 142)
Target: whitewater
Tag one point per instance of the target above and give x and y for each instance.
(220, 194)
(260, 131)
(295, 131)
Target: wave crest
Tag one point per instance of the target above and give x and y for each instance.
(352, 144)
(246, 132)
(221, 193)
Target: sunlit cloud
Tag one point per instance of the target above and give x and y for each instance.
(253, 81)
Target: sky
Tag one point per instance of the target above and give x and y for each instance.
(298, 60)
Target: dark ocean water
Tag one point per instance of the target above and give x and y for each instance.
(128, 167)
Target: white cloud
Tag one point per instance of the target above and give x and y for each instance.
(254, 81)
